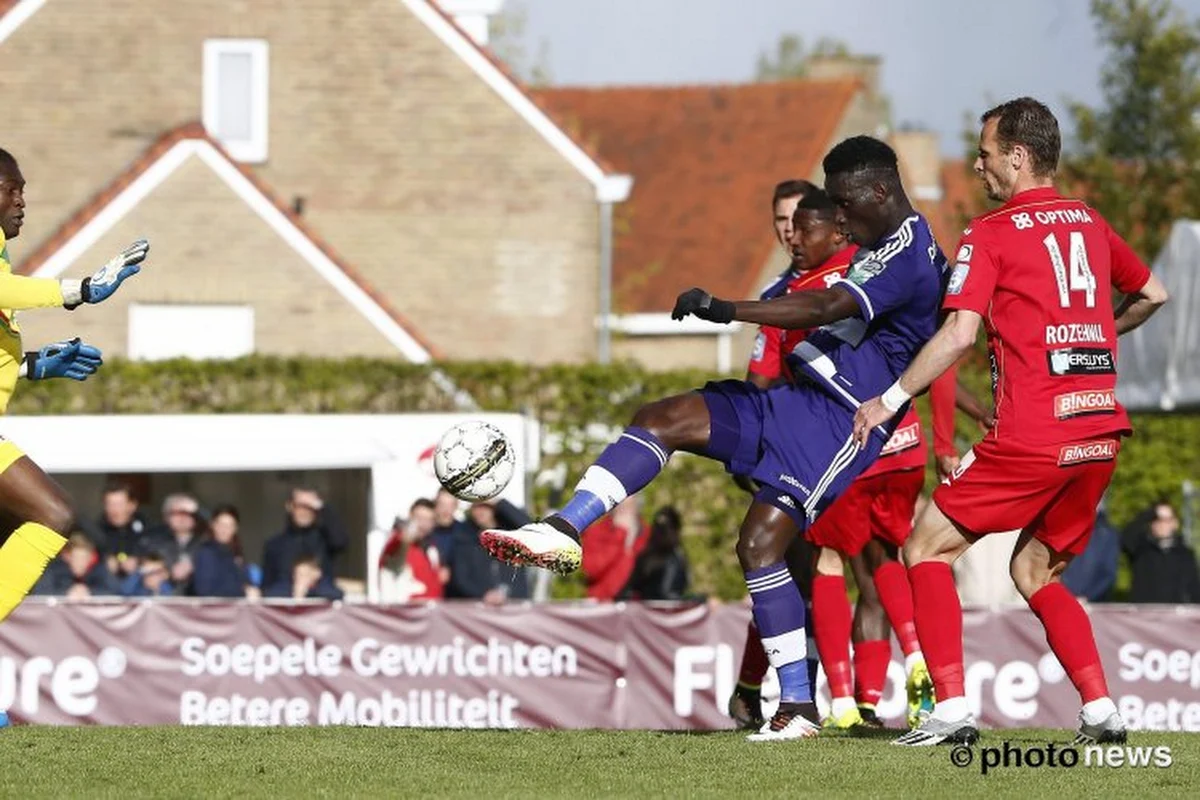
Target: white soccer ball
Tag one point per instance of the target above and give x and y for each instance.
(474, 461)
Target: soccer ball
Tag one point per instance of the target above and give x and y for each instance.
(474, 461)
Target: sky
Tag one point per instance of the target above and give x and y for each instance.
(942, 59)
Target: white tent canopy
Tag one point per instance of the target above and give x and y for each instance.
(1160, 361)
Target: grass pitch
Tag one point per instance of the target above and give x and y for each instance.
(181, 762)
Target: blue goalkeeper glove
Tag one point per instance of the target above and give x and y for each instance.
(101, 285)
(73, 359)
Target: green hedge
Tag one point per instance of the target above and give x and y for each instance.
(1165, 450)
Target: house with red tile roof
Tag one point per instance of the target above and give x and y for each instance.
(705, 160)
(319, 177)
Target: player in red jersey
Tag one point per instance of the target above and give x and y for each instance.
(1037, 272)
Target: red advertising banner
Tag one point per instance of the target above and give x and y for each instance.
(554, 665)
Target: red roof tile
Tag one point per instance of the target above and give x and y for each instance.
(194, 130)
(704, 160)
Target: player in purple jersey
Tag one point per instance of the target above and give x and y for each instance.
(794, 439)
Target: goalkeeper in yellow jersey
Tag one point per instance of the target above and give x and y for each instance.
(29, 497)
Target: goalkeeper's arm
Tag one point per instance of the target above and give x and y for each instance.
(19, 292)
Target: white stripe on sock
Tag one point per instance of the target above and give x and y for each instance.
(651, 446)
(775, 584)
(786, 648)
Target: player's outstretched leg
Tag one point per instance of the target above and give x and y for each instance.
(779, 614)
(929, 552)
(29, 494)
(832, 628)
(871, 636)
(625, 467)
(1035, 569)
(895, 595)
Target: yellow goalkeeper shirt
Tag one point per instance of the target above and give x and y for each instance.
(18, 292)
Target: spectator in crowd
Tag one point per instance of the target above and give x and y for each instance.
(79, 572)
(219, 569)
(178, 537)
(306, 581)
(661, 569)
(117, 532)
(473, 573)
(446, 528)
(1092, 574)
(1164, 566)
(406, 570)
(611, 546)
(311, 528)
(152, 579)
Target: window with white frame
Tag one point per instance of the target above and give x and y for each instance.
(200, 332)
(235, 96)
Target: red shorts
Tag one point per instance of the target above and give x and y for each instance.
(1053, 489)
(875, 505)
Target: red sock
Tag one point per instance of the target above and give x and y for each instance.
(870, 670)
(754, 660)
(831, 629)
(938, 615)
(1069, 633)
(895, 594)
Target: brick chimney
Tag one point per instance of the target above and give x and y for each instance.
(472, 16)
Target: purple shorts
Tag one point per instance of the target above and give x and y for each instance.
(794, 440)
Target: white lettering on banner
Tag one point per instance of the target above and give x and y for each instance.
(1154, 665)
(689, 678)
(369, 657)
(419, 709)
(196, 708)
(72, 681)
(1076, 333)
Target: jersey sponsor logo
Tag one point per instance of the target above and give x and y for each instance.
(958, 278)
(903, 439)
(864, 270)
(1102, 450)
(760, 347)
(1081, 361)
(1076, 333)
(964, 254)
(1023, 220)
(1062, 215)
(1077, 404)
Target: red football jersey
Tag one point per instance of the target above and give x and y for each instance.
(1039, 270)
(906, 448)
(773, 344)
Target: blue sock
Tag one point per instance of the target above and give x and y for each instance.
(779, 614)
(814, 662)
(624, 468)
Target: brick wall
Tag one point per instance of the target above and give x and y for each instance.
(410, 166)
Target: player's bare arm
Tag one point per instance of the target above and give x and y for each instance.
(955, 337)
(800, 310)
(1139, 306)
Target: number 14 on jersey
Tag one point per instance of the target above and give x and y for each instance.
(1075, 275)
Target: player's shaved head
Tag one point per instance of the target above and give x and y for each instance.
(8, 164)
(862, 177)
(819, 204)
(1030, 124)
(862, 154)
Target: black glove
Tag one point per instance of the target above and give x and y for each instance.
(704, 306)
